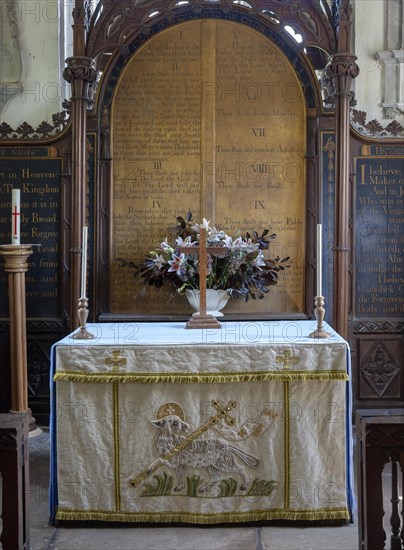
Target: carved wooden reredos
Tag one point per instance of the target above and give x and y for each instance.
(107, 41)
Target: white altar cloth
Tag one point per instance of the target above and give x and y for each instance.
(134, 394)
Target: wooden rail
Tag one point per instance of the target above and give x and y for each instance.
(14, 470)
(380, 436)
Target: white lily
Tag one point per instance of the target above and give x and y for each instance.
(204, 225)
(228, 241)
(164, 245)
(259, 261)
(176, 262)
(159, 261)
(187, 242)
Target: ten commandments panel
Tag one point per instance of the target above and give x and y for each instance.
(208, 116)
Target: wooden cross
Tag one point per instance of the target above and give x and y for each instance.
(287, 359)
(203, 320)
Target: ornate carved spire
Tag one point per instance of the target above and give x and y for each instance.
(342, 11)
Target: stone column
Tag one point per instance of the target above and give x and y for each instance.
(393, 96)
(80, 73)
(342, 69)
(399, 56)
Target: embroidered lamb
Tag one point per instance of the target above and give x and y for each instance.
(215, 455)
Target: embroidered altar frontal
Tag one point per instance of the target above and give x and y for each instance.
(200, 426)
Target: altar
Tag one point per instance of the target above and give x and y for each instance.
(154, 423)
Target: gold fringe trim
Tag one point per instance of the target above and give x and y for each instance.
(117, 473)
(188, 517)
(286, 444)
(205, 378)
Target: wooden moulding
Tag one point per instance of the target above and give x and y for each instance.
(203, 322)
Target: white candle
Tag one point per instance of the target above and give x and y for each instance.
(84, 262)
(15, 216)
(319, 261)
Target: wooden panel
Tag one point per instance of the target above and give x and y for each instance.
(14, 470)
(380, 365)
(380, 441)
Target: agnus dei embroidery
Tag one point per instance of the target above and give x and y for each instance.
(215, 455)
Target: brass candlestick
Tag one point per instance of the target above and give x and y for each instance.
(83, 333)
(319, 312)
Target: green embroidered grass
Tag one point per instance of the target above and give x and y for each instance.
(227, 487)
(261, 487)
(162, 486)
(193, 484)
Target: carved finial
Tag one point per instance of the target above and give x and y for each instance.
(342, 22)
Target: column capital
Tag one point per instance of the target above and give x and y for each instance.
(15, 257)
(80, 67)
(343, 65)
(80, 73)
(399, 55)
(385, 56)
(342, 69)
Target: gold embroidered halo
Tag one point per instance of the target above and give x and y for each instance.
(169, 409)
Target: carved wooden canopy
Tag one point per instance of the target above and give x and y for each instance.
(113, 24)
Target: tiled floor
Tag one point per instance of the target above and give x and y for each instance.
(44, 537)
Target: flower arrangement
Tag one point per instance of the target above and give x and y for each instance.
(242, 270)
